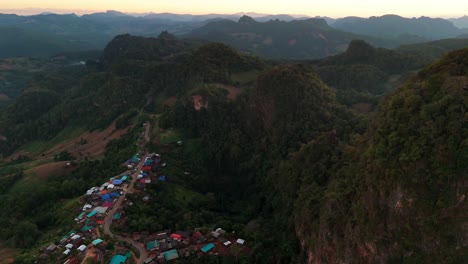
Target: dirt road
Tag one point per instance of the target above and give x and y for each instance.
(147, 130)
(108, 220)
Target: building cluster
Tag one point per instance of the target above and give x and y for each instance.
(102, 205)
(165, 246)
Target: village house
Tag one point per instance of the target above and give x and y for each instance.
(51, 248)
(198, 238)
(170, 255)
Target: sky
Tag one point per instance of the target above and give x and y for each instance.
(331, 8)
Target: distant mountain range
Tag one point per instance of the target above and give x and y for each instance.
(276, 36)
(461, 22)
(392, 26)
(298, 39)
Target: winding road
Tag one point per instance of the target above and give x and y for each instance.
(108, 220)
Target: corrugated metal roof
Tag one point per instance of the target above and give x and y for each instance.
(97, 241)
(92, 213)
(170, 255)
(118, 259)
(207, 247)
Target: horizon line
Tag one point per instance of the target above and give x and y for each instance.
(30, 11)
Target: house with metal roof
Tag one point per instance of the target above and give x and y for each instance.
(206, 248)
(97, 241)
(170, 255)
(151, 245)
(118, 259)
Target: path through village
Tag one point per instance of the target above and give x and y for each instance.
(108, 220)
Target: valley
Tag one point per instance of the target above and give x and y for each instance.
(269, 145)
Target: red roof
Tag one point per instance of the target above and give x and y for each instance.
(146, 168)
(176, 236)
(99, 222)
(103, 192)
(197, 234)
(142, 181)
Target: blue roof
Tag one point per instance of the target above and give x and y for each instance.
(152, 244)
(207, 247)
(86, 228)
(81, 216)
(171, 254)
(118, 259)
(114, 194)
(97, 241)
(105, 196)
(117, 182)
(162, 178)
(92, 213)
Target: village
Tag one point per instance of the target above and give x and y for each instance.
(104, 206)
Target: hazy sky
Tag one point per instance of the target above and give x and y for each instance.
(332, 8)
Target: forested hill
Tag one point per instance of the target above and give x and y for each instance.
(396, 194)
(277, 145)
(133, 73)
(391, 192)
(299, 39)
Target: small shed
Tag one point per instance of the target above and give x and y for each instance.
(152, 245)
(91, 214)
(118, 259)
(50, 248)
(117, 182)
(107, 204)
(170, 255)
(176, 236)
(82, 248)
(101, 209)
(97, 241)
(240, 241)
(86, 228)
(206, 248)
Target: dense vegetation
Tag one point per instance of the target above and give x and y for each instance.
(384, 196)
(39, 206)
(285, 162)
(395, 194)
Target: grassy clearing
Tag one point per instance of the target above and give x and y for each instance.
(244, 78)
(30, 165)
(169, 137)
(185, 196)
(37, 147)
(29, 179)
